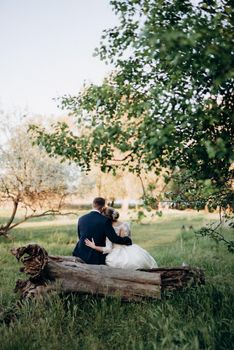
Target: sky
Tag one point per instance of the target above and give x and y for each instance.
(47, 51)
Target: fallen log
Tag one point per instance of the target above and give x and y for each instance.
(67, 274)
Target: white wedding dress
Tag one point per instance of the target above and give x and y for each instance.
(127, 257)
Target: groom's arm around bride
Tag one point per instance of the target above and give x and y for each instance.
(97, 227)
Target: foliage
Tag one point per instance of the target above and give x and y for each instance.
(215, 233)
(97, 183)
(124, 187)
(168, 103)
(29, 179)
(200, 318)
(167, 106)
(187, 192)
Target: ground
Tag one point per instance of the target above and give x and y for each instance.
(201, 318)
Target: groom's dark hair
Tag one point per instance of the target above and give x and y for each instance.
(99, 202)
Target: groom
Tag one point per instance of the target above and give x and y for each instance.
(97, 226)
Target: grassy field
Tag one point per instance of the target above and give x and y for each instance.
(200, 318)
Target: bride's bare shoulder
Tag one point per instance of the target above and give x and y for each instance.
(118, 223)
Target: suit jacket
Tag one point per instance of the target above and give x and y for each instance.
(97, 226)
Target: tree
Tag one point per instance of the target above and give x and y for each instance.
(122, 186)
(169, 102)
(29, 180)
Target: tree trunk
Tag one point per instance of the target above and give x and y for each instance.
(71, 275)
(5, 228)
(125, 205)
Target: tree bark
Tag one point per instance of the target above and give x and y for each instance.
(70, 275)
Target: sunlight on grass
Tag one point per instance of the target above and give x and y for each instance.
(200, 318)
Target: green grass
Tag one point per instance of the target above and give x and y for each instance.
(200, 318)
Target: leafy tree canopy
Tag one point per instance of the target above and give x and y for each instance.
(169, 102)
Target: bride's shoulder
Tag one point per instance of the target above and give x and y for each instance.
(117, 223)
(121, 223)
(126, 226)
(125, 223)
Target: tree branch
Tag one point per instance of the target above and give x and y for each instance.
(4, 230)
(8, 224)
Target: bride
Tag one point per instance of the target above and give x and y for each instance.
(126, 257)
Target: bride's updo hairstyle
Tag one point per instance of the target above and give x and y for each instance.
(111, 213)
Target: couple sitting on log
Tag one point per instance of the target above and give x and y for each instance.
(105, 240)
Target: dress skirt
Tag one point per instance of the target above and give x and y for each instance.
(130, 257)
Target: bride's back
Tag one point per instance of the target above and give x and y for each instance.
(122, 229)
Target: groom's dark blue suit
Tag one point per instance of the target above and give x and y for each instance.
(97, 226)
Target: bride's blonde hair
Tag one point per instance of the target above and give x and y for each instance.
(111, 213)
